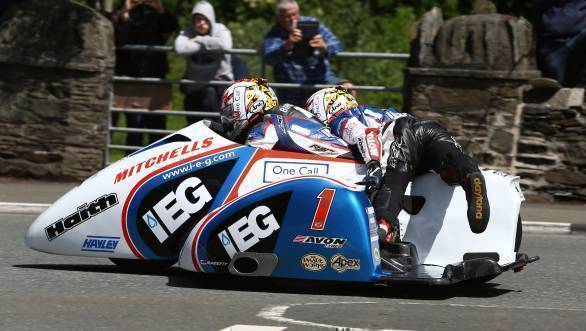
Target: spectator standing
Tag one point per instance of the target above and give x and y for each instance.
(278, 51)
(562, 41)
(142, 22)
(199, 43)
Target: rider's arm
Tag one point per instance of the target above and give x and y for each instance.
(262, 135)
(354, 132)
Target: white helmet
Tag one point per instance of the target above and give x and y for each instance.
(243, 104)
(326, 103)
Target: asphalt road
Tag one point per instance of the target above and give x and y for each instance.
(47, 292)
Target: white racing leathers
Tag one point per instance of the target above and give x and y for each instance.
(293, 129)
(365, 127)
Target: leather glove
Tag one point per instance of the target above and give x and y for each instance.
(374, 176)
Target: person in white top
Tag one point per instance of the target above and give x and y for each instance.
(199, 43)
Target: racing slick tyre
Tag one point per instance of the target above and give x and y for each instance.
(143, 266)
(519, 235)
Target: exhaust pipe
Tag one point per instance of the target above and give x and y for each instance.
(253, 264)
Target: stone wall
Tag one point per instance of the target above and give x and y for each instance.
(56, 68)
(471, 73)
(551, 151)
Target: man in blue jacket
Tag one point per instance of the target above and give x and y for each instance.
(280, 49)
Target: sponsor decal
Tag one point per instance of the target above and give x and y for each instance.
(321, 149)
(372, 227)
(100, 244)
(284, 108)
(163, 157)
(275, 171)
(248, 227)
(175, 208)
(373, 232)
(83, 213)
(313, 262)
(340, 263)
(167, 206)
(325, 241)
(325, 199)
(213, 263)
(479, 198)
(195, 165)
(249, 230)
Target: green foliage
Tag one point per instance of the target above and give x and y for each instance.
(362, 26)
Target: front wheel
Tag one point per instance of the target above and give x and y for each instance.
(143, 266)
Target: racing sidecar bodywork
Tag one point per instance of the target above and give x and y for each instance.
(216, 206)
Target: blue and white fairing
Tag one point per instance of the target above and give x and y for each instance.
(316, 227)
(143, 206)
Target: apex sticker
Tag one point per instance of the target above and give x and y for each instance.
(83, 213)
(340, 263)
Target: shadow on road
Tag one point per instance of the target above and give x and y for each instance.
(184, 279)
(97, 268)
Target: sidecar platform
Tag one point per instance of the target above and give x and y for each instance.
(401, 261)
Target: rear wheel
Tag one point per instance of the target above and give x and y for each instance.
(519, 234)
(143, 266)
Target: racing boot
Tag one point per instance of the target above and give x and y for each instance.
(388, 232)
(478, 207)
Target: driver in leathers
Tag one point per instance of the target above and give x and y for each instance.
(251, 115)
(408, 147)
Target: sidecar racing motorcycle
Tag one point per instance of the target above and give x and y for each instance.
(200, 200)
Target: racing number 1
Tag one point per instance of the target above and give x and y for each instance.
(323, 209)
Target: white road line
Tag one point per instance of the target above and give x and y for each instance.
(275, 313)
(24, 208)
(242, 327)
(489, 306)
(547, 227)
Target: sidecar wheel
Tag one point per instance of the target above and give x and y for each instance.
(143, 266)
(519, 234)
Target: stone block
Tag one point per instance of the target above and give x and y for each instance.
(502, 141)
(56, 68)
(422, 45)
(537, 160)
(566, 176)
(458, 99)
(532, 146)
(485, 42)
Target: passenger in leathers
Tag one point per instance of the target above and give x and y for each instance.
(408, 147)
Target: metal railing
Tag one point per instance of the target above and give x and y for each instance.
(202, 114)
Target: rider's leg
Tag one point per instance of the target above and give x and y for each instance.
(455, 167)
